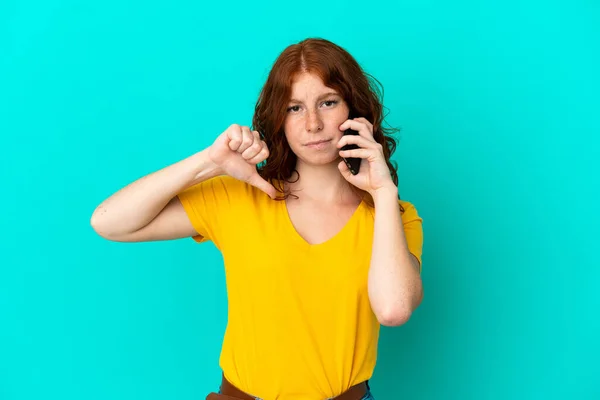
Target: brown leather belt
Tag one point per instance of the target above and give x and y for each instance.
(229, 391)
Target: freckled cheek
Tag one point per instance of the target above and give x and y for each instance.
(341, 116)
(292, 133)
(294, 127)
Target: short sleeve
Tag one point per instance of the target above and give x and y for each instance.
(413, 230)
(208, 206)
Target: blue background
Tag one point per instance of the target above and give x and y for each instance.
(499, 111)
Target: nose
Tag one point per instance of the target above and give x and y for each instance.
(313, 122)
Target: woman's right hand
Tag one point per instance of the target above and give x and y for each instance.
(237, 151)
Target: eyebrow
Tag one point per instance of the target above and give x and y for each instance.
(319, 98)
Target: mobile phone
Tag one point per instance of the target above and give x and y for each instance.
(353, 163)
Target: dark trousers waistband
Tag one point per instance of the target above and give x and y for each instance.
(356, 392)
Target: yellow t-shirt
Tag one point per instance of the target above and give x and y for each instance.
(300, 325)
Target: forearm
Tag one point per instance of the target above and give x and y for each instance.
(137, 204)
(395, 288)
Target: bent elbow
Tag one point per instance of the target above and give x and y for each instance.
(394, 317)
(97, 225)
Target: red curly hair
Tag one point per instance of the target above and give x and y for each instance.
(339, 71)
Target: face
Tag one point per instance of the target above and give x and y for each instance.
(314, 115)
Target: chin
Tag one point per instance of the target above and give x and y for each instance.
(321, 160)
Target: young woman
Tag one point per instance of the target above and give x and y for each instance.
(316, 257)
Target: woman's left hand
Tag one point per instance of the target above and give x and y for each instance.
(374, 173)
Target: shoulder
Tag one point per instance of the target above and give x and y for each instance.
(222, 185)
(406, 204)
(232, 191)
(409, 211)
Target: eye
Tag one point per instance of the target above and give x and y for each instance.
(293, 108)
(330, 103)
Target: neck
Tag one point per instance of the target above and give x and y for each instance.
(323, 183)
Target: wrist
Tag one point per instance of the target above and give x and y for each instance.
(385, 192)
(204, 167)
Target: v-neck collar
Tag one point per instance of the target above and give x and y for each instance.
(302, 242)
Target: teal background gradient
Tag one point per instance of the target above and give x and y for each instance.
(499, 147)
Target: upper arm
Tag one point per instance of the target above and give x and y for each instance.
(171, 223)
(201, 212)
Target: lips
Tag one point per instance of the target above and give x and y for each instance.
(317, 142)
